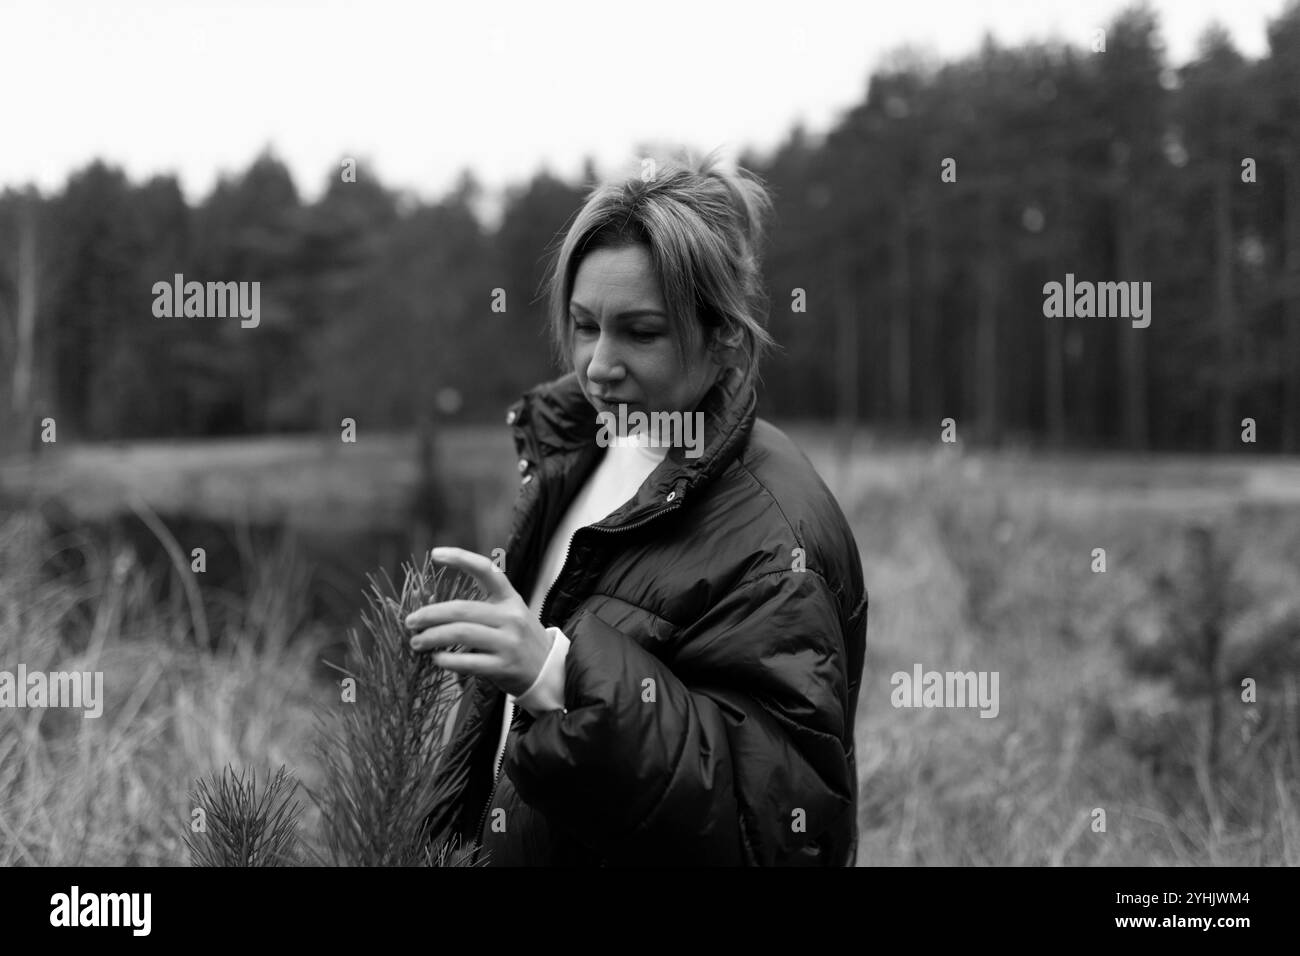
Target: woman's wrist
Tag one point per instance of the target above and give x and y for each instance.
(547, 691)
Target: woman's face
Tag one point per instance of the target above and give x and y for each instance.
(624, 349)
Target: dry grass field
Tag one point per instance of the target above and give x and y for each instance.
(1119, 691)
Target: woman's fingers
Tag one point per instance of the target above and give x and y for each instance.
(484, 664)
(487, 637)
(481, 569)
(446, 612)
(474, 638)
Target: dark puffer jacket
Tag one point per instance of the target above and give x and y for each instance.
(717, 626)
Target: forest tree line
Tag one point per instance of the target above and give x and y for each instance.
(906, 269)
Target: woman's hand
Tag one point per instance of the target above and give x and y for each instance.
(501, 637)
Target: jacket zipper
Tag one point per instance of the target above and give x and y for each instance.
(496, 774)
(496, 764)
(500, 758)
(591, 527)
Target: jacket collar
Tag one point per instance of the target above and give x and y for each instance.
(555, 419)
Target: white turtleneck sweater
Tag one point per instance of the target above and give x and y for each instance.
(614, 481)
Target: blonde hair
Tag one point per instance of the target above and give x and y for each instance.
(703, 224)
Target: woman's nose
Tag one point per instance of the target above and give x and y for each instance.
(605, 365)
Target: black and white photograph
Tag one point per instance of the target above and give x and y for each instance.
(680, 435)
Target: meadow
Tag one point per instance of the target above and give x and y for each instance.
(1121, 690)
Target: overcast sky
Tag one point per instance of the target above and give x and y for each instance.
(418, 91)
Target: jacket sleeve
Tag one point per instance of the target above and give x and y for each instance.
(733, 745)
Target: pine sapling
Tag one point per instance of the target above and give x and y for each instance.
(381, 743)
(238, 825)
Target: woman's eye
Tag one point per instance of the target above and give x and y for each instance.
(586, 328)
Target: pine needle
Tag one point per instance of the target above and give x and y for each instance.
(242, 826)
(379, 753)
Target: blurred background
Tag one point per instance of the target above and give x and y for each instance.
(383, 170)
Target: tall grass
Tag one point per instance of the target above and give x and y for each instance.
(116, 789)
(969, 575)
(1106, 702)
(171, 769)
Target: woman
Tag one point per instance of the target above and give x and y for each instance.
(680, 686)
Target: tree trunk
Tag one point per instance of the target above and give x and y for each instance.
(27, 285)
(1291, 309)
(931, 398)
(431, 492)
(1054, 339)
(846, 341)
(1131, 340)
(1225, 310)
(986, 327)
(900, 348)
